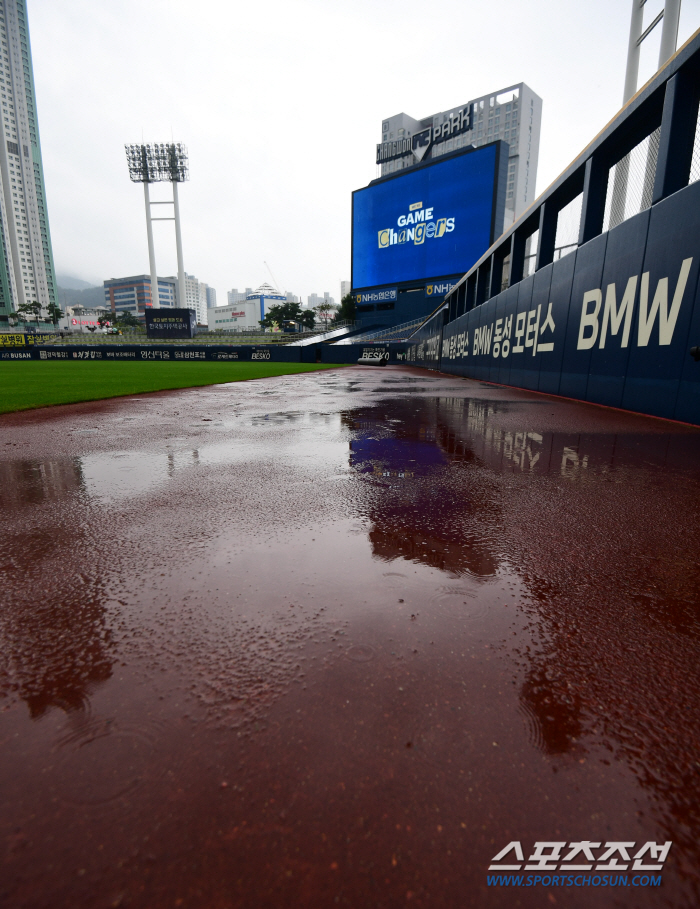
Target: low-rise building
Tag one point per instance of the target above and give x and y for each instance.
(133, 294)
(242, 316)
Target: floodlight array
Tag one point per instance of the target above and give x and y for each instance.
(158, 163)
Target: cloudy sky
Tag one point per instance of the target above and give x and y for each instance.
(280, 104)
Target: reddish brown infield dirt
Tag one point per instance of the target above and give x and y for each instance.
(336, 639)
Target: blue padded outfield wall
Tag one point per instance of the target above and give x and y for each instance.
(26, 348)
(612, 322)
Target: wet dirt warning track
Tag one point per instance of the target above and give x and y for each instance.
(338, 639)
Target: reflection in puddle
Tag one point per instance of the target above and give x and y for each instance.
(56, 649)
(29, 482)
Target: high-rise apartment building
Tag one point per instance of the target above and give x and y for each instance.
(513, 114)
(211, 297)
(235, 296)
(345, 288)
(27, 272)
(314, 300)
(195, 297)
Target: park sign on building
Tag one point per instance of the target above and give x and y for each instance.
(171, 323)
(420, 143)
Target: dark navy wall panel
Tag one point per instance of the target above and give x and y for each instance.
(655, 368)
(587, 274)
(536, 316)
(425, 346)
(688, 400)
(624, 256)
(499, 306)
(560, 298)
(497, 346)
(455, 346)
(474, 318)
(480, 363)
(510, 311)
(518, 351)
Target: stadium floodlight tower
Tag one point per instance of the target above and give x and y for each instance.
(164, 163)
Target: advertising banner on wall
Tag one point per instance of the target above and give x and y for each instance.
(434, 220)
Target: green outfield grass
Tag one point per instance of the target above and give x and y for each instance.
(29, 384)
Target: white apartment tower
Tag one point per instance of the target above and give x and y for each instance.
(26, 264)
(195, 297)
(513, 114)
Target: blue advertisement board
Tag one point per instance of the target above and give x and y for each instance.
(428, 221)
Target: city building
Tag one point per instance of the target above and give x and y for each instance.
(513, 114)
(345, 288)
(243, 315)
(246, 311)
(195, 297)
(264, 293)
(234, 296)
(314, 300)
(211, 297)
(84, 319)
(26, 261)
(133, 294)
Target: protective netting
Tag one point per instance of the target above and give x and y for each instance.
(568, 221)
(631, 182)
(695, 164)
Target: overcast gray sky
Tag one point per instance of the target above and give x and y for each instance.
(280, 104)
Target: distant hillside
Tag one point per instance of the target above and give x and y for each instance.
(89, 297)
(72, 283)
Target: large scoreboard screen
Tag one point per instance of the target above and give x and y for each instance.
(431, 221)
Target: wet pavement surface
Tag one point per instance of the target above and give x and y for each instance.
(338, 639)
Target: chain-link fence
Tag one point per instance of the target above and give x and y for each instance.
(531, 254)
(631, 182)
(695, 164)
(568, 223)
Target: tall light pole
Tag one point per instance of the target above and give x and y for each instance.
(669, 15)
(160, 163)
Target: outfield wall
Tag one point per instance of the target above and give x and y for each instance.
(273, 353)
(612, 323)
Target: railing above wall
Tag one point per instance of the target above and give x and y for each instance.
(643, 155)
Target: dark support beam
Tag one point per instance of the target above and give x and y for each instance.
(677, 136)
(548, 232)
(517, 256)
(481, 279)
(461, 298)
(452, 300)
(595, 185)
(470, 302)
(498, 259)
